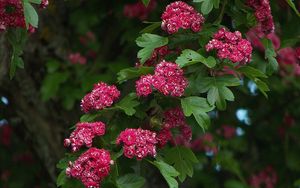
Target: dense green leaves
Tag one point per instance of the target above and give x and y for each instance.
(149, 42)
(130, 180)
(128, 103)
(134, 72)
(183, 160)
(189, 57)
(199, 107)
(168, 172)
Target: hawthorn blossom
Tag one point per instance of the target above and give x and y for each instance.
(84, 134)
(230, 45)
(254, 35)
(77, 58)
(267, 178)
(288, 60)
(91, 167)
(44, 4)
(100, 97)
(11, 14)
(205, 143)
(174, 118)
(263, 14)
(168, 79)
(138, 143)
(144, 85)
(139, 10)
(181, 15)
(227, 131)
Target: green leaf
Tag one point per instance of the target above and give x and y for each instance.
(146, 2)
(297, 183)
(189, 57)
(251, 72)
(168, 172)
(183, 160)
(270, 54)
(217, 88)
(151, 27)
(61, 179)
(35, 1)
(128, 103)
(216, 3)
(52, 83)
(149, 42)
(197, 106)
(254, 75)
(31, 16)
(15, 62)
(130, 180)
(293, 6)
(234, 184)
(133, 72)
(207, 7)
(52, 66)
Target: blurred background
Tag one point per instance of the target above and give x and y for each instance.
(81, 42)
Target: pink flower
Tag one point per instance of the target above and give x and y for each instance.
(255, 34)
(77, 58)
(227, 131)
(297, 50)
(138, 143)
(180, 15)
(204, 143)
(230, 46)
(263, 15)
(174, 118)
(144, 85)
(91, 167)
(139, 10)
(11, 14)
(44, 4)
(168, 79)
(5, 135)
(84, 134)
(163, 137)
(267, 178)
(102, 96)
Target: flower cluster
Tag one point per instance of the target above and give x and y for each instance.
(101, 96)
(263, 14)
(205, 143)
(267, 178)
(288, 60)
(180, 15)
(230, 45)
(227, 131)
(174, 118)
(77, 58)
(11, 14)
(91, 167)
(84, 134)
(138, 143)
(168, 79)
(254, 35)
(44, 3)
(139, 10)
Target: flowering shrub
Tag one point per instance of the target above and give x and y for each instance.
(171, 112)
